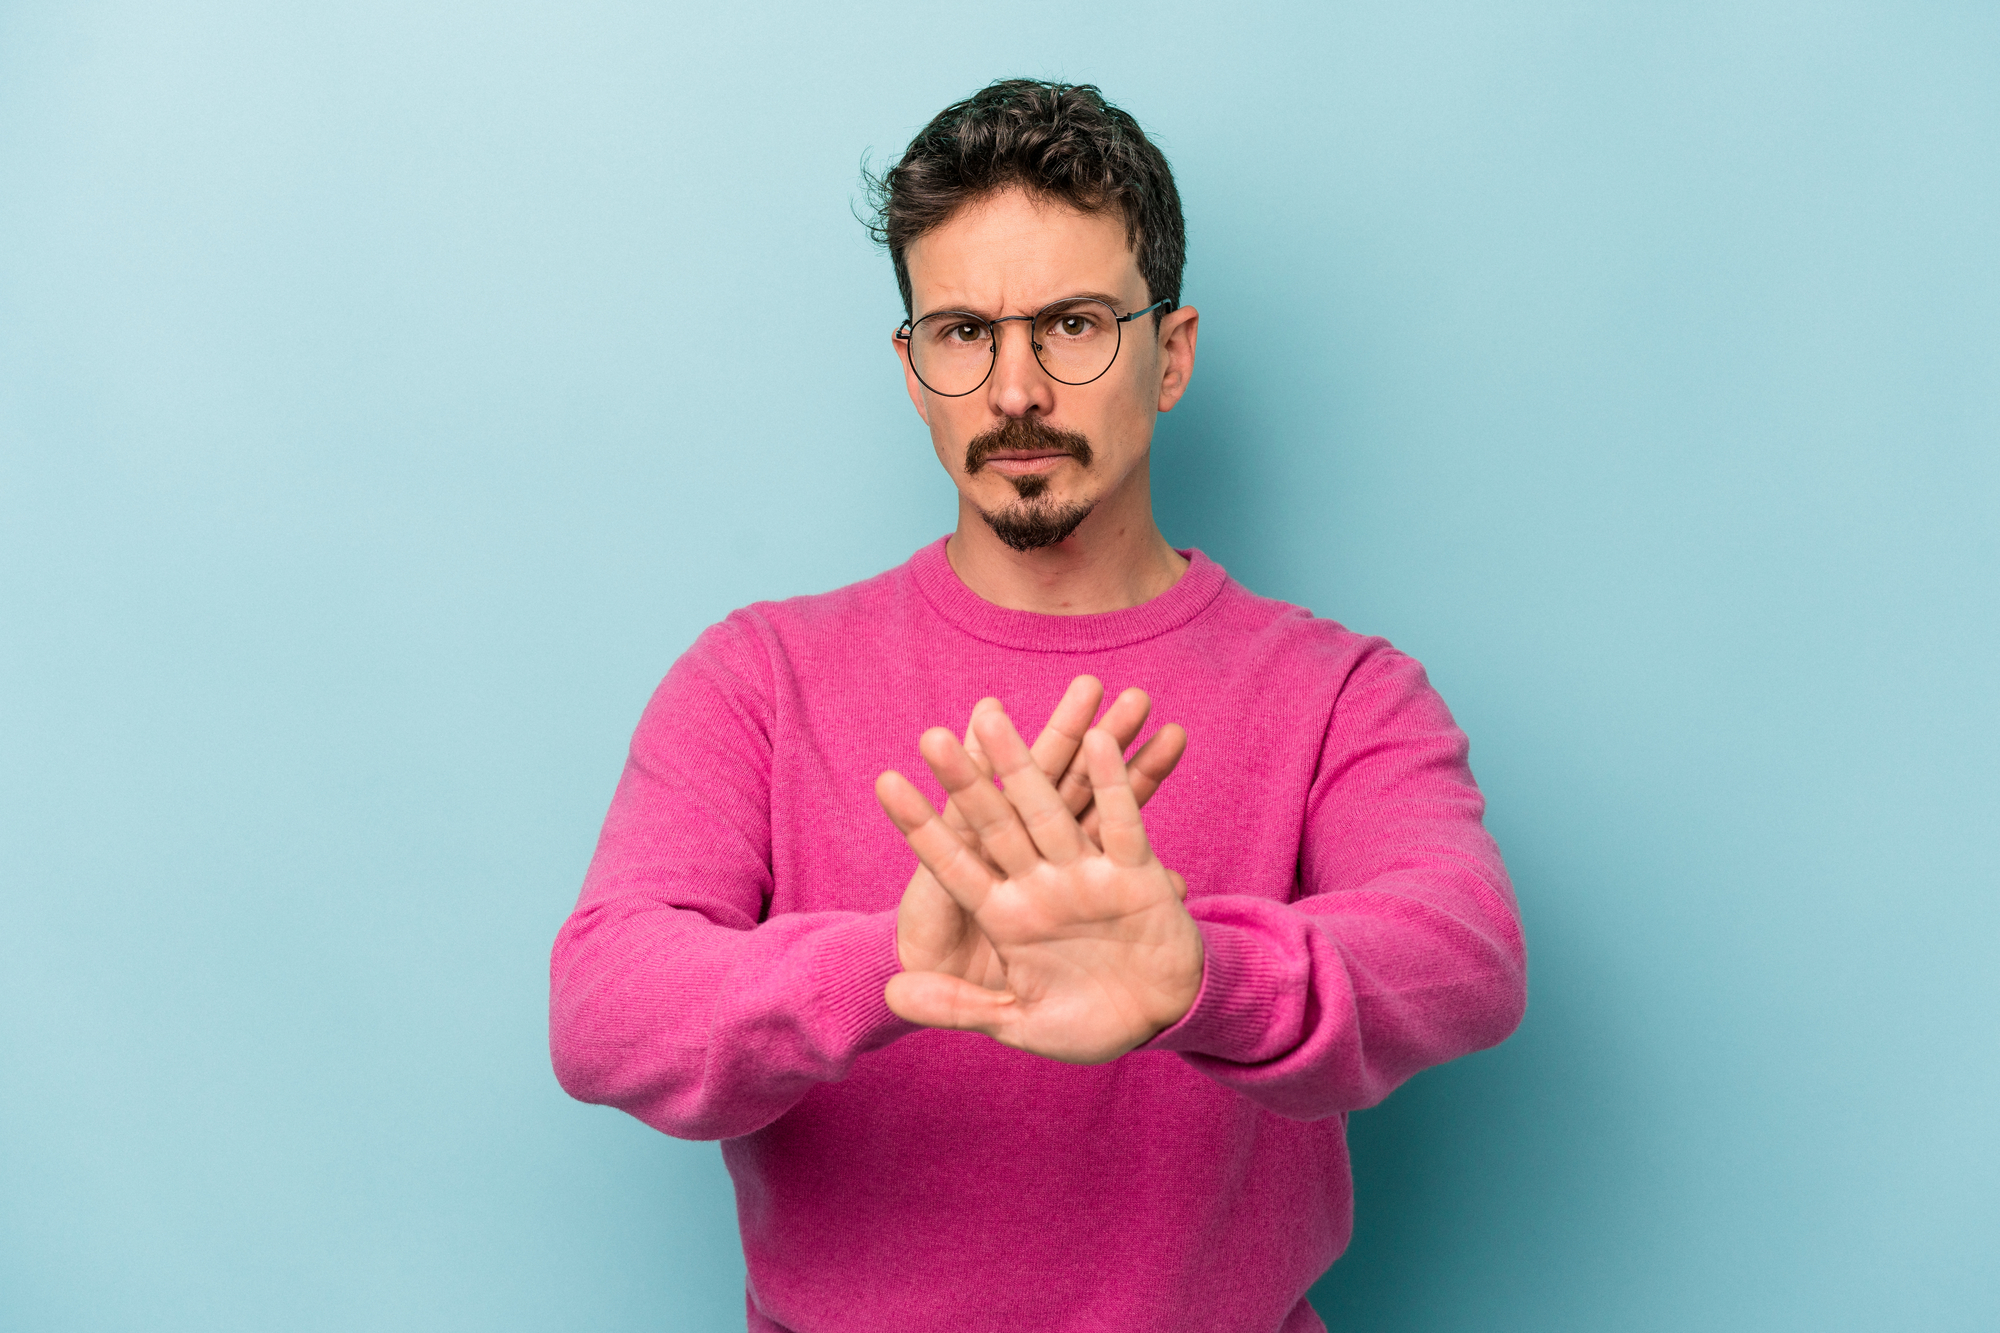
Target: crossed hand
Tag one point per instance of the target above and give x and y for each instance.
(1040, 915)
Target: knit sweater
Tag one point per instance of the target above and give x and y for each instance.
(722, 975)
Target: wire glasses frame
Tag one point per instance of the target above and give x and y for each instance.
(986, 331)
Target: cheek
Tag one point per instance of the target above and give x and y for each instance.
(951, 428)
(1124, 421)
(1143, 389)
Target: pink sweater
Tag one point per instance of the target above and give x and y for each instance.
(722, 975)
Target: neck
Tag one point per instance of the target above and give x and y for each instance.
(1116, 558)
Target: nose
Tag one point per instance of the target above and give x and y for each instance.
(1018, 384)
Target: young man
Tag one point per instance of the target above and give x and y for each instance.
(1062, 1068)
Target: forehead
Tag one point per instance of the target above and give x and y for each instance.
(1012, 252)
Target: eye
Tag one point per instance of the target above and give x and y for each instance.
(967, 333)
(1080, 322)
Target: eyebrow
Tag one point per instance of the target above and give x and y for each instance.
(1105, 297)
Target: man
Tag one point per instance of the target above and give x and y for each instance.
(1065, 1067)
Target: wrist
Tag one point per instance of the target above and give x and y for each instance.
(1186, 976)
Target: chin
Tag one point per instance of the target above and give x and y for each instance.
(1035, 525)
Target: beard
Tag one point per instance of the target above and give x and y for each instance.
(1035, 520)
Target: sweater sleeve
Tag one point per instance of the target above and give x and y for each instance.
(1402, 947)
(670, 996)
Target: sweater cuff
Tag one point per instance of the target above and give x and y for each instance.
(852, 964)
(1232, 1013)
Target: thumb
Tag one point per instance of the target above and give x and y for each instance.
(936, 1000)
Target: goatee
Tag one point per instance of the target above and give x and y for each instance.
(1034, 522)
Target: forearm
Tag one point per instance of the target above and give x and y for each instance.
(707, 1030)
(1402, 948)
(669, 997)
(1327, 1004)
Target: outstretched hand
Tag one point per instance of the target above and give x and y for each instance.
(1095, 952)
(935, 934)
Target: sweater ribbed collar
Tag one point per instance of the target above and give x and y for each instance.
(1031, 630)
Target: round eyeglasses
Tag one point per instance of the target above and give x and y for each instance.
(1076, 339)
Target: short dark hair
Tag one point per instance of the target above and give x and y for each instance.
(1062, 140)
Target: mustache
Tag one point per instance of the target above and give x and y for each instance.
(1025, 433)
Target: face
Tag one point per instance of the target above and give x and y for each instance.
(1034, 457)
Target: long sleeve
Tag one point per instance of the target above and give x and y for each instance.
(1402, 948)
(669, 996)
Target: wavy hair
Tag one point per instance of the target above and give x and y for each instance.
(1060, 140)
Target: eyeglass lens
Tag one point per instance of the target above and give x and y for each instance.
(1075, 341)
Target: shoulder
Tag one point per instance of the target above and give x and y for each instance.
(1355, 687)
(739, 668)
(820, 611)
(870, 606)
(1291, 639)
(763, 640)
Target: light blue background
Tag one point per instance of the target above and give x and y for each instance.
(389, 392)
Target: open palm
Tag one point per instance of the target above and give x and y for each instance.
(1094, 951)
(934, 933)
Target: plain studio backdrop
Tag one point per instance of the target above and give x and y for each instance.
(389, 392)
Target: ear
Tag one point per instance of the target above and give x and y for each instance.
(1177, 337)
(910, 380)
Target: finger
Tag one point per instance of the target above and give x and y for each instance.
(1118, 827)
(1127, 715)
(960, 872)
(1056, 748)
(971, 742)
(1149, 768)
(1180, 884)
(1156, 760)
(938, 1000)
(1000, 834)
(953, 818)
(1030, 792)
(1124, 719)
